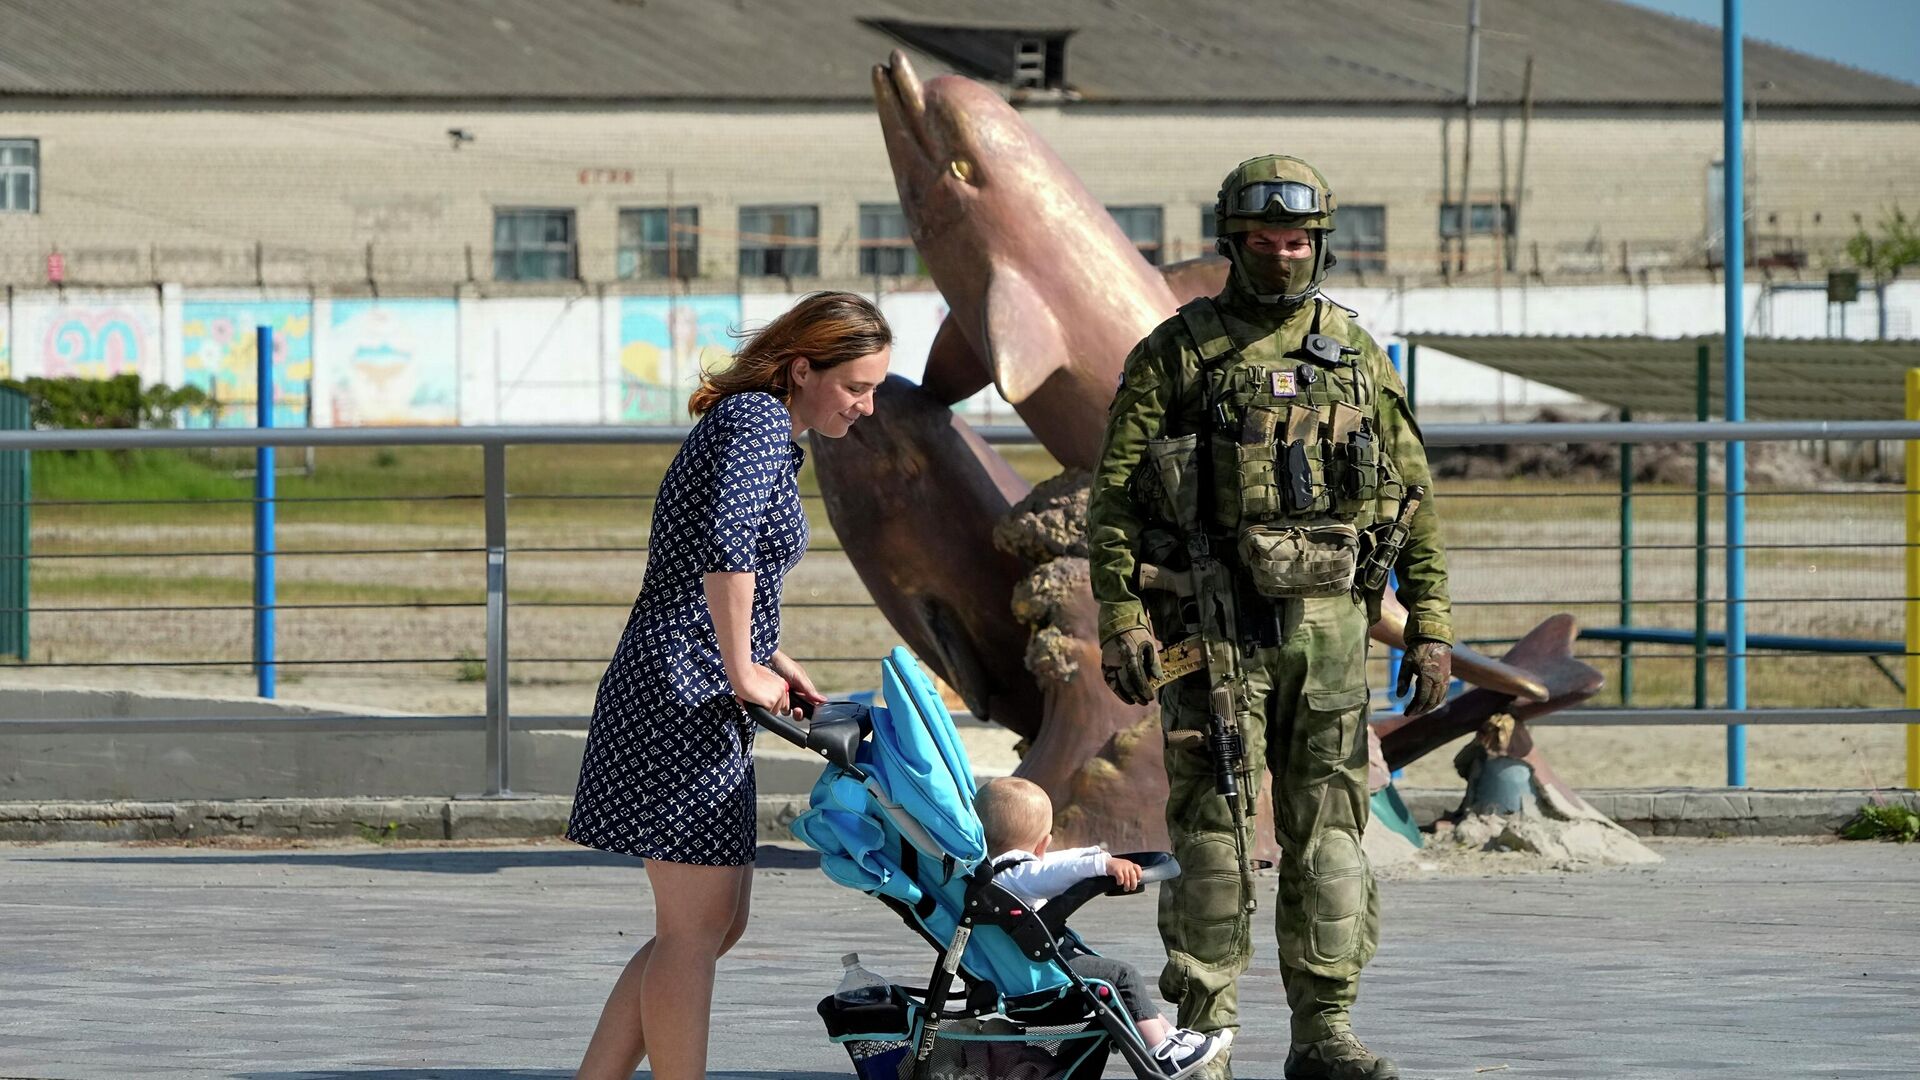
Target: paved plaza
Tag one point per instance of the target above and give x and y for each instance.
(1734, 959)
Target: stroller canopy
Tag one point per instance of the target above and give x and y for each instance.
(901, 825)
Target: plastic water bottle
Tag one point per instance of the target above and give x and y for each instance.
(858, 986)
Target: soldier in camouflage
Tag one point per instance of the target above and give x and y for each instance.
(1263, 434)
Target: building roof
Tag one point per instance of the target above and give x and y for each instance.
(1787, 378)
(1587, 52)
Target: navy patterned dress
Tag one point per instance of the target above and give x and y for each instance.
(668, 768)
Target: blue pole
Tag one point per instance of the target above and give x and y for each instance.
(263, 590)
(1732, 101)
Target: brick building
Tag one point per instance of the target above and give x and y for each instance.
(537, 145)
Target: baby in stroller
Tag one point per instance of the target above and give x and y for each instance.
(1018, 818)
(894, 816)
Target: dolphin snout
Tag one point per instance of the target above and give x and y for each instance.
(902, 100)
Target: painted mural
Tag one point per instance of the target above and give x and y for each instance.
(664, 343)
(218, 342)
(391, 362)
(86, 335)
(6, 357)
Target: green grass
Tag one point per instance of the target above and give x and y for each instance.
(1883, 822)
(448, 478)
(52, 587)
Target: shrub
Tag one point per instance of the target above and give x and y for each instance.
(118, 402)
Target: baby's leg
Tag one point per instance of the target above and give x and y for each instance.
(1126, 981)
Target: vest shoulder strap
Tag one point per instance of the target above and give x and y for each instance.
(1209, 333)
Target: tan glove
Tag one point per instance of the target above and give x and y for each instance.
(1130, 662)
(1431, 663)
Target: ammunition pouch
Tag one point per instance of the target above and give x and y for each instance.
(1300, 561)
(1358, 469)
(1170, 486)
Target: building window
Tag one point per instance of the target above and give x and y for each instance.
(1039, 63)
(1483, 219)
(1142, 226)
(1209, 228)
(886, 248)
(20, 175)
(646, 249)
(1360, 238)
(533, 244)
(779, 241)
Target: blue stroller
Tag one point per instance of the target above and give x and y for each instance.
(892, 816)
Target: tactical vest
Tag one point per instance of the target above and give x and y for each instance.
(1295, 449)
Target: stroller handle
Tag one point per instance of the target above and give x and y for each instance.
(833, 730)
(779, 724)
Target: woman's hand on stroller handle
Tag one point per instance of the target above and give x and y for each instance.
(799, 683)
(762, 686)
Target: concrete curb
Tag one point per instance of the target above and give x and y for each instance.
(369, 819)
(1648, 812)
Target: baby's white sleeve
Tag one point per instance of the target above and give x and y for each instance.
(1044, 878)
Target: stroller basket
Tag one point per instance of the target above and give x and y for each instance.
(880, 1039)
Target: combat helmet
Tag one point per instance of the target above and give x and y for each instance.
(1269, 190)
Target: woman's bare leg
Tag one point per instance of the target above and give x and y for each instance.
(661, 1002)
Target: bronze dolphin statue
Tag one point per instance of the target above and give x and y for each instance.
(1044, 289)
(1050, 327)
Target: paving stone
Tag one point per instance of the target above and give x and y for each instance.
(1732, 959)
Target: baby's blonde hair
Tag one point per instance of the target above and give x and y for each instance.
(1016, 813)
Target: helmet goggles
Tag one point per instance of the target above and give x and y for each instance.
(1277, 198)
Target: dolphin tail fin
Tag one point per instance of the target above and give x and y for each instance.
(1546, 653)
(1024, 340)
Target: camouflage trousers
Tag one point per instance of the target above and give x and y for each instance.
(1302, 711)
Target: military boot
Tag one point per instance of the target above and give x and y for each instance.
(1342, 1057)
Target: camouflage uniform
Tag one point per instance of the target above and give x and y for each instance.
(1302, 699)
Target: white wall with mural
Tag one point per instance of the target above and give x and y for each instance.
(94, 334)
(634, 359)
(218, 347)
(385, 363)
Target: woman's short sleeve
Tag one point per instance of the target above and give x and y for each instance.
(750, 455)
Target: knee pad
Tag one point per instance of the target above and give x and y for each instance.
(1328, 931)
(1205, 916)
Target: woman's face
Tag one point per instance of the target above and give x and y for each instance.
(829, 400)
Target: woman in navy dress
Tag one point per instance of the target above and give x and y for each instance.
(668, 775)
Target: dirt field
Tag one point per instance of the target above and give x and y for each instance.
(403, 629)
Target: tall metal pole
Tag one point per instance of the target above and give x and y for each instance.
(263, 583)
(1626, 563)
(1466, 158)
(1732, 82)
(1700, 512)
(1913, 580)
(499, 720)
(1520, 175)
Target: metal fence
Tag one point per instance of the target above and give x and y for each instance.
(161, 586)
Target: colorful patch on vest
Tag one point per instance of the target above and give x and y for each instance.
(1284, 385)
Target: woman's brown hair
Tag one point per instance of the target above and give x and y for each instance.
(827, 328)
